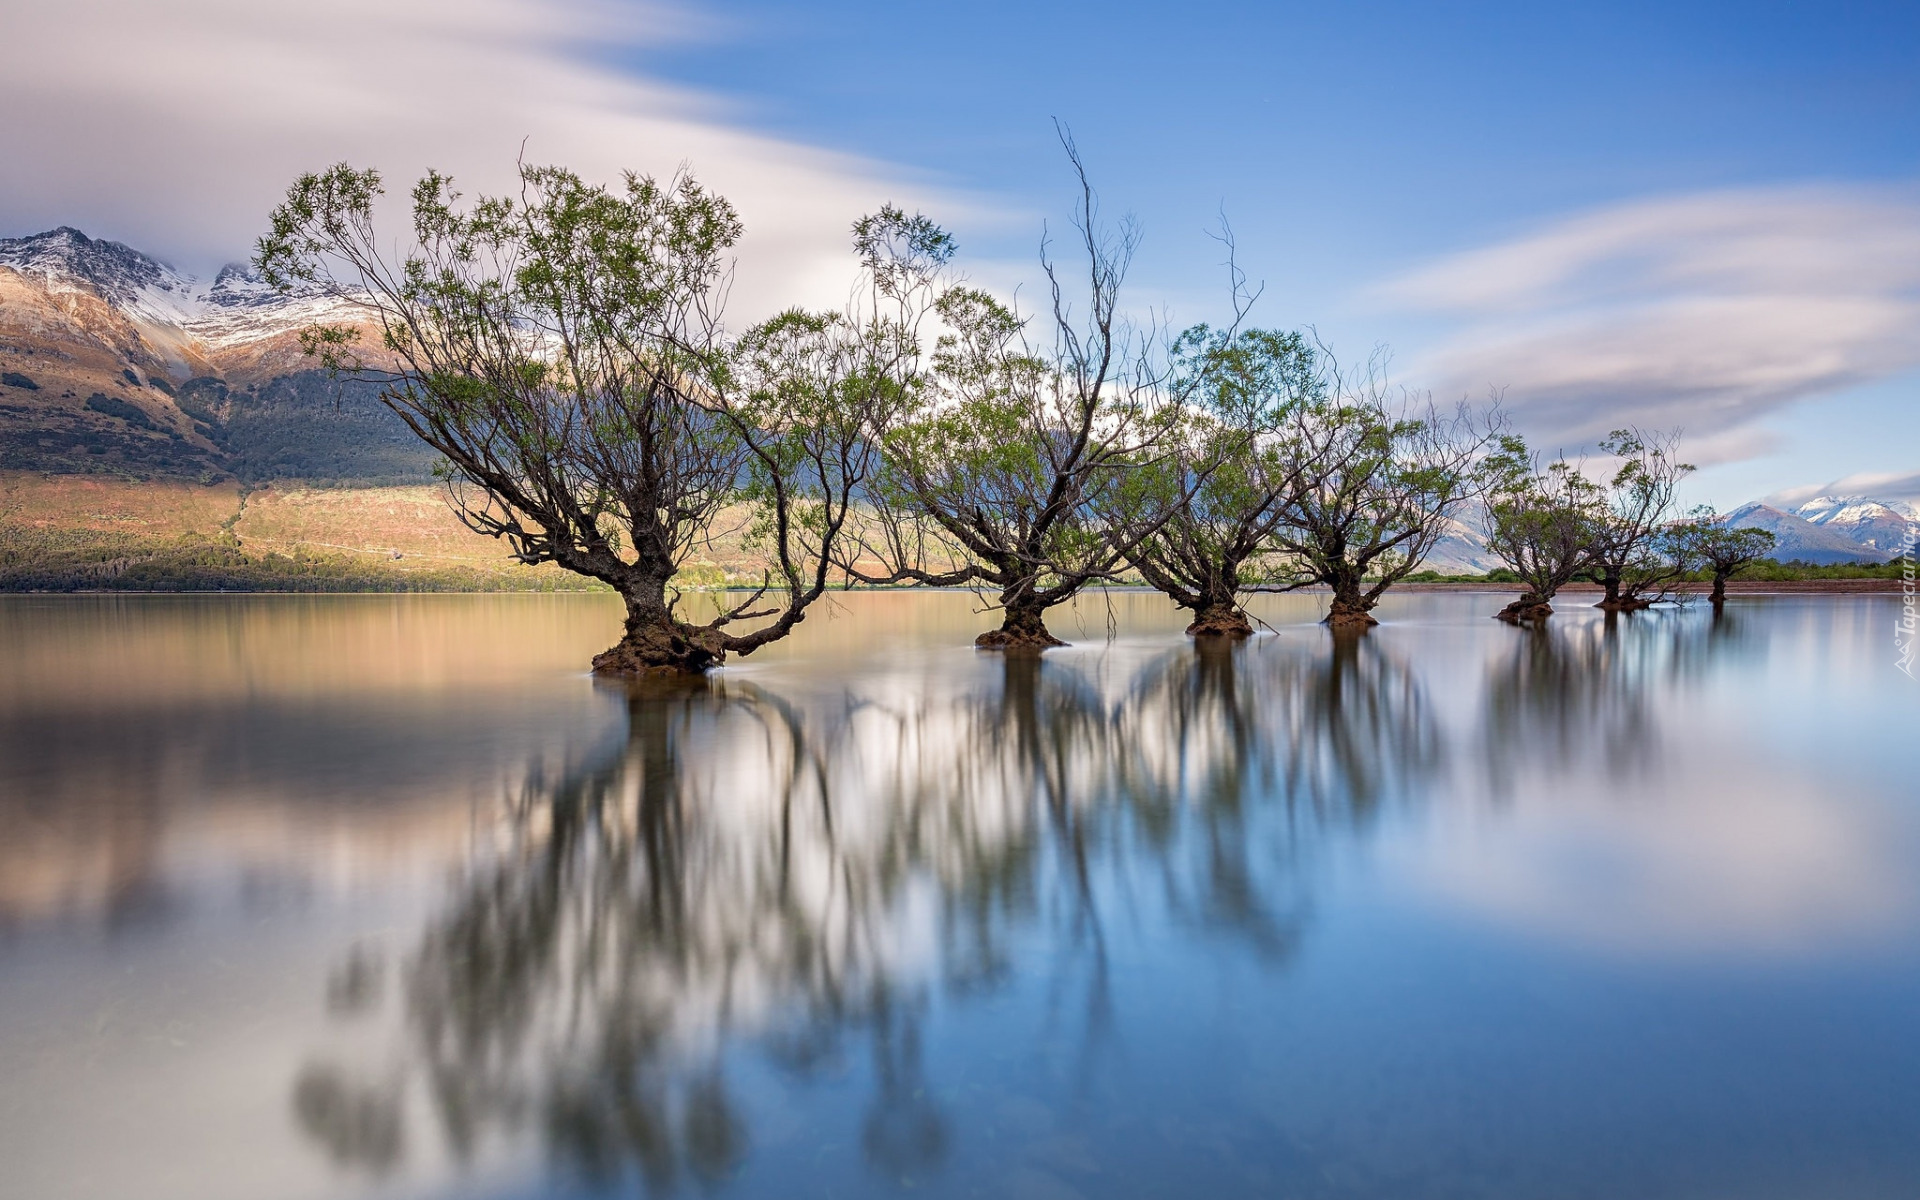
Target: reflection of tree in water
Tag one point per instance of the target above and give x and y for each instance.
(1240, 756)
(1361, 733)
(357, 1123)
(748, 871)
(1712, 638)
(567, 990)
(1564, 695)
(1586, 698)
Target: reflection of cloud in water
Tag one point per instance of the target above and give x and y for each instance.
(745, 869)
(1736, 861)
(948, 919)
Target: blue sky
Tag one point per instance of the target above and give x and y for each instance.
(1376, 130)
(1682, 214)
(1348, 141)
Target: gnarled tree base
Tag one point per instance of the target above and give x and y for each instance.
(1347, 617)
(1628, 604)
(1527, 610)
(662, 650)
(1015, 639)
(1021, 630)
(1220, 621)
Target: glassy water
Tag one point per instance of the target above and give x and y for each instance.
(365, 896)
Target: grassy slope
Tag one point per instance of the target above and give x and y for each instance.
(73, 532)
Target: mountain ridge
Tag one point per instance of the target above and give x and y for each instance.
(112, 361)
(1884, 525)
(1797, 538)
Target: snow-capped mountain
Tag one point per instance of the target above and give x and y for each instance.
(1797, 538)
(112, 360)
(1462, 550)
(64, 261)
(1883, 525)
(237, 308)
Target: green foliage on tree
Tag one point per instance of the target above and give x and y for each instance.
(1706, 542)
(1541, 521)
(1208, 506)
(1630, 551)
(1000, 471)
(1377, 487)
(564, 351)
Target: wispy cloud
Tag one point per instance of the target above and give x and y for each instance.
(1885, 487)
(175, 124)
(1706, 311)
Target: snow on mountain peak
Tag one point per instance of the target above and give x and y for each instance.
(174, 308)
(1884, 525)
(1823, 509)
(238, 285)
(65, 259)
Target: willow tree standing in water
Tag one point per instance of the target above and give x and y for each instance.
(1210, 505)
(564, 350)
(1540, 522)
(1706, 542)
(1376, 489)
(1000, 475)
(1631, 556)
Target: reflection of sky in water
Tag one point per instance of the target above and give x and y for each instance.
(341, 897)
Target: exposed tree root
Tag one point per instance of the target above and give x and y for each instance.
(1005, 639)
(1625, 604)
(1222, 620)
(662, 650)
(1529, 609)
(1347, 616)
(1022, 629)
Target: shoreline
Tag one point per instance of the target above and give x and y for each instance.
(1755, 587)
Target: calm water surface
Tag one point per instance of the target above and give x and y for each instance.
(361, 896)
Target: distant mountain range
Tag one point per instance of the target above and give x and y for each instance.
(1882, 526)
(1797, 536)
(112, 361)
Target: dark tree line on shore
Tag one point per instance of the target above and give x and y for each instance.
(564, 351)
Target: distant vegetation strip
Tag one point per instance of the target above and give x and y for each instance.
(40, 559)
(73, 561)
(1765, 571)
(67, 533)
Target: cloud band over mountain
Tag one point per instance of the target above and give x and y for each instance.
(1709, 311)
(183, 152)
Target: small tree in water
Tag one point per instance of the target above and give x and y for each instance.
(1540, 523)
(1376, 490)
(564, 351)
(1704, 541)
(1000, 475)
(1209, 506)
(1628, 556)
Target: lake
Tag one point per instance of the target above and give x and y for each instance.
(384, 896)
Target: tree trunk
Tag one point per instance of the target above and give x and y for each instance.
(1612, 602)
(1719, 596)
(1023, 628)
(1216, 615)
(1348, 612)
(654, 643)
